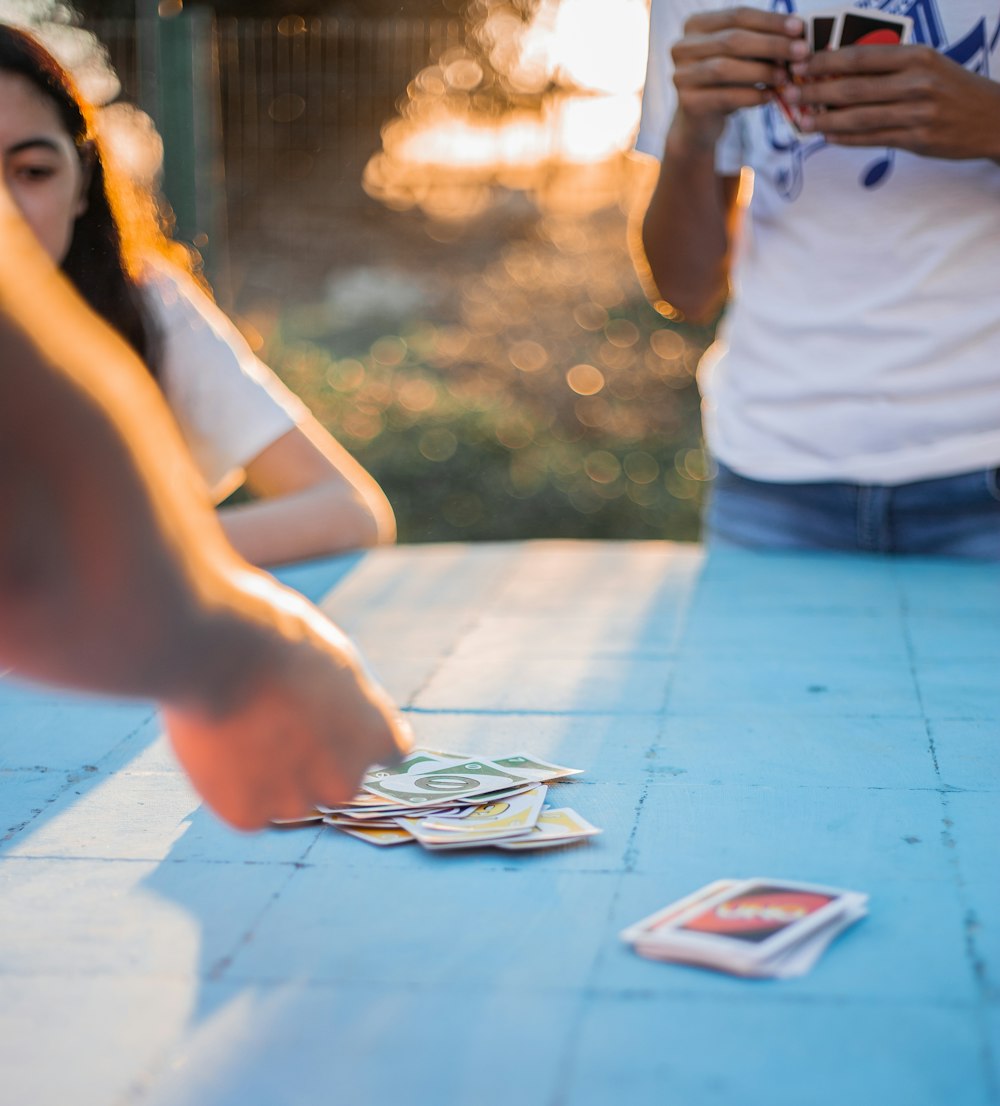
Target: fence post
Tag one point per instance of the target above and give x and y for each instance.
(180, 88)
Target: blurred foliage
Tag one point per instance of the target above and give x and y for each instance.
(543, 397)
(519, 388)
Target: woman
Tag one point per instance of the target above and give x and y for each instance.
(239, 421)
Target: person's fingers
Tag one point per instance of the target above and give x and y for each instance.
(344, 762)
(236, 812)
(744, 18)
(890, 125)
(859, 60)
(863, 120)
(722, 101)
(721, 72)
(737, 44)
(206, 753)
(853, 90)
(900, 139)
(306, 731)
(242, 808)
(329, 784)
(291, 803)
(264, 781)
(403, 737)
(391, 734)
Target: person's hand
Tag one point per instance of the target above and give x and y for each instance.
(728, 60)
(116, 577)
(908, 97)
(307, 723)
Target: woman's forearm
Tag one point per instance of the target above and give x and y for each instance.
(327, 518)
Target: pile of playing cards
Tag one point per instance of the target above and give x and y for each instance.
(751, 927)
(449, 801)
(836, 28)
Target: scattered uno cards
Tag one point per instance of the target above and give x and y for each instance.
(751, 927)
(448, 801)
(836, 28)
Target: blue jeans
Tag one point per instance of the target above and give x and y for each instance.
(954, 516)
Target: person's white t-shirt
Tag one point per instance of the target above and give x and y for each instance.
(862, 342)
(229, 405)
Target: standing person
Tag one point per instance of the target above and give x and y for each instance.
(853, 398)
(239, 421)
(115, 575)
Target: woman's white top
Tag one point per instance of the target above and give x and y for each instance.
(229, 405)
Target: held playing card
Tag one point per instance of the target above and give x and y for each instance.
(820, 27)
(869, 28)
(836, 28)
(791, 112)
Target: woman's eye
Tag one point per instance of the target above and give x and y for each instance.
(34, 172)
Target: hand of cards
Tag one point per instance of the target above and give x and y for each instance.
(448, 801)
(834, 29)
(753, 927)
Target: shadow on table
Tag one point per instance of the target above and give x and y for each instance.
(254, 899)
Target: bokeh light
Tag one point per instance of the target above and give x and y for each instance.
(585, 380)
(532, 91)
(507, 378)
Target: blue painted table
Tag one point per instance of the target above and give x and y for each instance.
(816, 718)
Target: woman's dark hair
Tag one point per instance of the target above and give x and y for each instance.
(100, 263)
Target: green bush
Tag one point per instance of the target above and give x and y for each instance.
(545, 398)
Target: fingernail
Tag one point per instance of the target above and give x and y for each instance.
(800, 49)
(799, 68)
(794, 26)
(791, 94)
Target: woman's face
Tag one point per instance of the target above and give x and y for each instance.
(40, 164)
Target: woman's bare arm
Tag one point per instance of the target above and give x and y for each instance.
(315, 499)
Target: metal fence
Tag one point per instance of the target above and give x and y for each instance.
(302, 101)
